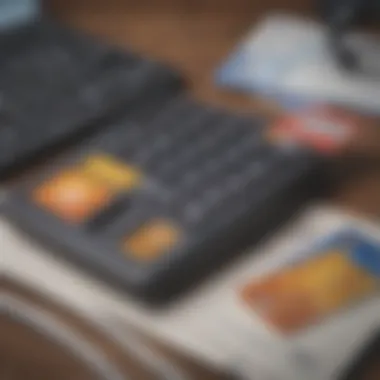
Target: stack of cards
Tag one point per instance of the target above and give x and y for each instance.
(298, 307)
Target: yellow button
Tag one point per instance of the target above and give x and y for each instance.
(115, 174)
(72, 196)
(152, 240)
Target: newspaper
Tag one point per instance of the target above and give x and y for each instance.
(212, 324)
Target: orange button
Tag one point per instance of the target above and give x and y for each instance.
(152, 240)
(324, 129)
(116, 174)
(72, 196)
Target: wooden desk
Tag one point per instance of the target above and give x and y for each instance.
(195, 36)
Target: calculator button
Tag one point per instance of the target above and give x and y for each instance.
(118, 206)
(116, 174)
(194, 212)
(152, 240)
(72, 196)
(325, 130)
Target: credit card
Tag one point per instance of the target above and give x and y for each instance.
(343, 270)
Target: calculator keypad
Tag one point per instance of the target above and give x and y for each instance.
(188, 163)
(194, 159)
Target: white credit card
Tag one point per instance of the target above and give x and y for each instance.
(288, 58)
(212, 324)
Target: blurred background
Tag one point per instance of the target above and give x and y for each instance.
(195, 36)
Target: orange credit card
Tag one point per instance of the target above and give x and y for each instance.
(304, 294)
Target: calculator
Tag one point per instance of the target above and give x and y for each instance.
(57, 85)
(153, 207)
